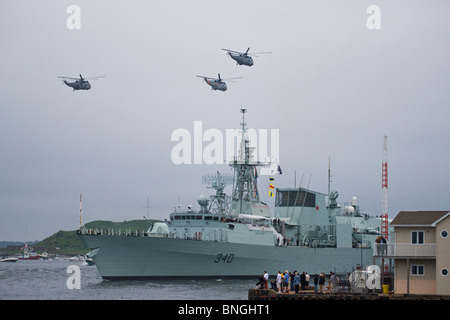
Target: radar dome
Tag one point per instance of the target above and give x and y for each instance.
(202, 200)
(349, 209)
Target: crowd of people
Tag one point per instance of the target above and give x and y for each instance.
(293, 281)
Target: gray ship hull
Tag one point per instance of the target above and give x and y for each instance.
(133, 257)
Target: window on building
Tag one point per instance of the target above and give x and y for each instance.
(417, 270)
(444, 234)
(444, 272)
(417, 237)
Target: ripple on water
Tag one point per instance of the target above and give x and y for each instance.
(46, 279)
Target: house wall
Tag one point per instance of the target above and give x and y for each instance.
(403, 234)
(443, 257)
(418, 284)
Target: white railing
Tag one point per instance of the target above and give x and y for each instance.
(404, 250)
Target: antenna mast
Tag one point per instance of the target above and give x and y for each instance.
(384, 192)
(329, 181)
(148, 206)
(81, 210)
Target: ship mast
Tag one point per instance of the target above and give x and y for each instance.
(81, 207)
(245, 189)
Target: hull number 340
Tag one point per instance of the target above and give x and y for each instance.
(228, 258)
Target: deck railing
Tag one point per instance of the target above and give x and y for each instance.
(404, 250)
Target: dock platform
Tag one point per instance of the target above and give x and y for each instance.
(310, 295)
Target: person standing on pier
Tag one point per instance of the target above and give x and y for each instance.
(334, 282)
(321, 282)
(261, 281)
(316, 283)
(303, 280)
(291, 276)
(286, 282)
(266, 280)
(279, 281)
(296, 282)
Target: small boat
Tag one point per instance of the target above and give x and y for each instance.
(44, 256)
(77, 258)
(10, 259)
(28, 254)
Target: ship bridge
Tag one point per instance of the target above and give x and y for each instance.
(299, 206)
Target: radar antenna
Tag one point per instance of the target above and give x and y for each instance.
(220, 201)
(148, 206)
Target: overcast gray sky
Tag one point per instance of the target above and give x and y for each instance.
(332, 87)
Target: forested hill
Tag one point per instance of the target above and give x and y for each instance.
(67, 242)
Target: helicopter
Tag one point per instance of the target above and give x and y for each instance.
(243, 58)
(217, 84)
(80, 83)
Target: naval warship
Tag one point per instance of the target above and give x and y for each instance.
(236, 236)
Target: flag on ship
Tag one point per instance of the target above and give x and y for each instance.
(279, 169)
(271, 186)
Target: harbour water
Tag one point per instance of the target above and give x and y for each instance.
(47, 280)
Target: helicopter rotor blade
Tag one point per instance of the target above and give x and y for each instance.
(206, 77)
(260, 52)
(94, 78)
(68, 78)
(246, 53)
(254, 54)
(231, 51)
(231, 78)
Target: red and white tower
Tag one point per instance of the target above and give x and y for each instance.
(384, 192)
